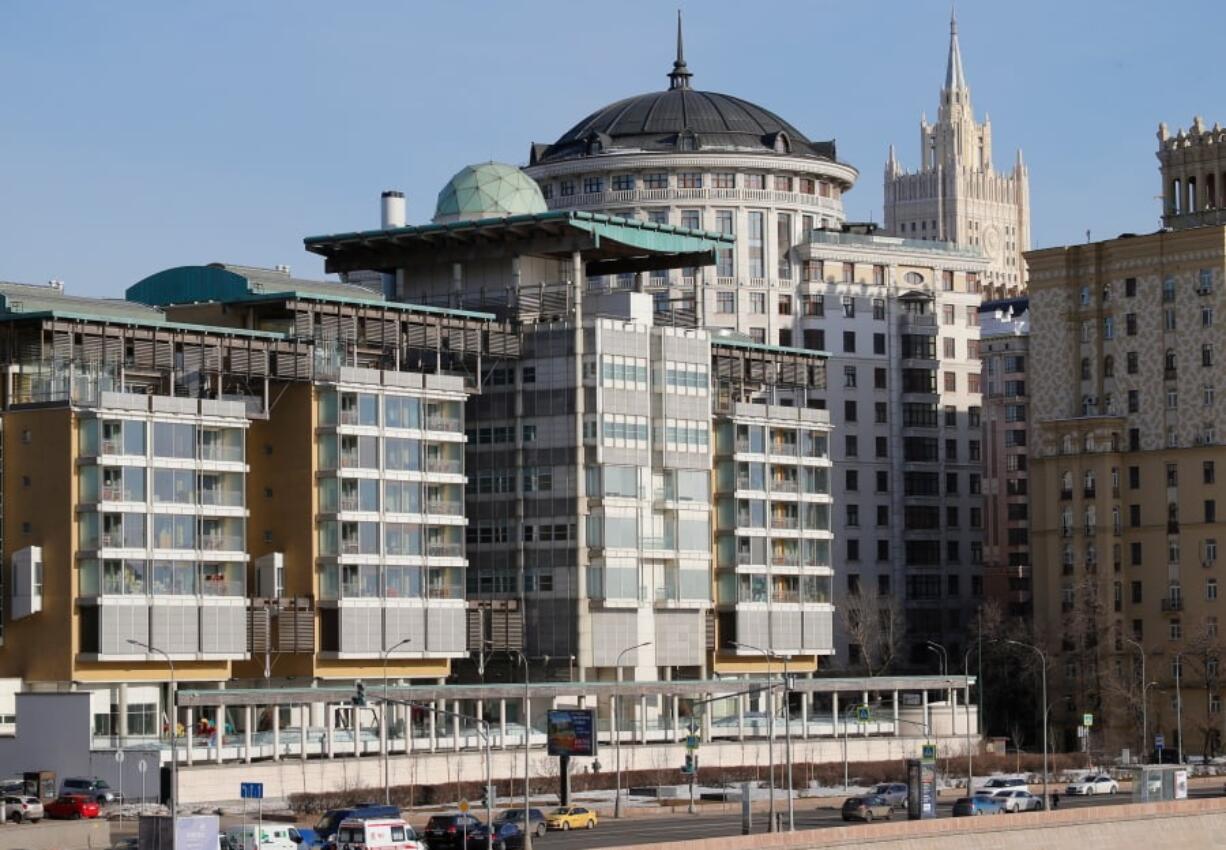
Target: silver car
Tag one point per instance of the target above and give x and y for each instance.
(895, 793)
(1019, 801)
(19, 808)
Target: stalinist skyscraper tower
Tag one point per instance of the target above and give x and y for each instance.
(956, 195)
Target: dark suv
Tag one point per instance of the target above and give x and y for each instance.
(536, 819)
(447, 832)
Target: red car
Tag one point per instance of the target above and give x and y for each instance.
(72, 808)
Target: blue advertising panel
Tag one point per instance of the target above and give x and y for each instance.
(572, 732)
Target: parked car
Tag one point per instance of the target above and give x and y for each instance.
(895, 793)
(444, 832)
(1093, 783)
(980, 804)
(98, 789)
(73, 807)
(507, 836)
(867, 808)
(18, 808)
(536, 819)
(327, 825)
(571, 817)
(1019, 800)
(377, 834)
(1002, 783)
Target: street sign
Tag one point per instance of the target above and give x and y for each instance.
(1087, 720)
(864, 713)
(464, 806)
(142, 766)
(1081, 731)
(691, 742)
(251, 790)
(119, 756)
(1159, 742)
(929, 753)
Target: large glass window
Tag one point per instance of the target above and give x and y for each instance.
(175, 486)
(359, 538)
(784, 247)
(172, 531)
(402, 582)
(401, 412)
(228, 579)
(402, 538)
(724, 258)
(402, 454)
(123, 436)
(174, 578)
(174, 440)
(126, 531)
(757, 248)
(359, 452)
(123, 483)
(402, 497)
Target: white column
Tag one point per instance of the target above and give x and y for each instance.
(304, 712)
(864, 726)
(927, 721)
(384, 748)
(219, 724)
(676, 715)
(189, 727)
(834, 711)
(953, 711)
(329, 728)
(804, 713)
(276, 732)
(248, 718)
(642, 720)
(455, 733)
(897, 725)
(433, 727)
(355, 726)
(502, 723)
(121, 698)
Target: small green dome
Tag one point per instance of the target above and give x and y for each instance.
(488, 190)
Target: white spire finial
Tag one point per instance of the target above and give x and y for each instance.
(954, 76)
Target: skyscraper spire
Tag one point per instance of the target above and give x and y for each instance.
(679, 77)
(954, 78)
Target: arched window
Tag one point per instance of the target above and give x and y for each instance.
(1085, 368)
(782, 143)
(1091, 519)
(1088, 481)
(1108, 366)
(1168, 360)
(1066, 482)
(1067, 445)
(1168, 289)
(1116, 526)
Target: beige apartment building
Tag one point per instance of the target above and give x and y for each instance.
(1126, 436)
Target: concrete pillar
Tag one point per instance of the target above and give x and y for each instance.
(953, 711)
(804, 713)
(706, 720)
(121, 722)
(433, 727)
(304, 712)
(455, 734)
(740, 714)
(642, 720)
(834, 711)
(384, 747)
(502, 723)
(676, 718)
(927, 720)
(189, 727)
(356, 727)
(276, 732)
(896, 723)
(864, 726)
(248, 717)
(219, 733)
(329, 728)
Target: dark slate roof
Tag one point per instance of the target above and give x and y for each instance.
(658, 121)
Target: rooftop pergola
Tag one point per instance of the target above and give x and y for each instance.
(606, 244)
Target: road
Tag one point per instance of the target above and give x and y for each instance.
(683, 827)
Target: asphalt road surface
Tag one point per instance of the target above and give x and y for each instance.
(660, 829)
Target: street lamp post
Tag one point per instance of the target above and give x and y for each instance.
(174, 722)
(1144, 701)
(616, 727)
(787, 735)
(933, 646)
(1042, 715)
(1145, 704)
(1179, 703)
(970, 763)
(527, 803)
(387, 728)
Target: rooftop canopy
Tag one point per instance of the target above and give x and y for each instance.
(227, 284)
(607, 244)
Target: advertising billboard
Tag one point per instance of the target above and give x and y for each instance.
(572, 732)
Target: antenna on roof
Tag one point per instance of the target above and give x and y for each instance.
(679, 77)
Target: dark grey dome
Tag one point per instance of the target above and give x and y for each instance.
(682, 119)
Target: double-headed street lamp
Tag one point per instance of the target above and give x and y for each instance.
(387, 727)
(787, 733)
(1042, 715)
(174, 722)
(617, 729)
(933, 646)
(1144, 700)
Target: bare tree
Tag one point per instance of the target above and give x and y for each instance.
(1205, 649)
(874, 624)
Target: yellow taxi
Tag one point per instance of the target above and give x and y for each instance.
(571, 817)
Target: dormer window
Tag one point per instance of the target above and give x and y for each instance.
(687, 141)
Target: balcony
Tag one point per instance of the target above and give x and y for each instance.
(789, 522)
(220, 498)
(444, 550)
(444, 423)
(444, 506)
(1089, 492)
(227, 454)
(112, 447)
(445, 465)
(348, 417)
(1066, 495)
(1172, 604)
(744, 447)
(221, 543)
(784, 485)
(112, 494)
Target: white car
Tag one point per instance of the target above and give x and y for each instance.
(1004, 783)
(1016, 800)
(19, 808)
(1093, 783)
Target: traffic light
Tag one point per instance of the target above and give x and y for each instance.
(359, 694)
(688, 767)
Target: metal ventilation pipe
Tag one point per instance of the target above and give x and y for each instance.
(392, 208)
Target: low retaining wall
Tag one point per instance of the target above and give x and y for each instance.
(1197, 824)
(56, 835)
(206, 783)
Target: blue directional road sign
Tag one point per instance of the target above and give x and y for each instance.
(251, 790)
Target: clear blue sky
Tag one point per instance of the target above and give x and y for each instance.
(143, 134)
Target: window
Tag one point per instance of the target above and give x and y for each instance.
(783, 233)
(951, 382)
(947, 314)
(1130, 324)
(849, 342)
(1211, 589)
(815, 305)
(1130, 362)
(883, 481)
(1207, 472)
(879, 309)
(567, 188)
(849, 411)
(1206, 355)
(724, 263)
(755, 181)
(689, 180)
(725, 302)
(1210, 510)
(851, 445)
(1206, 317)
(849, 307)
(851, 480)
(657, 180)
(879, 378)
(853, 516)
(757, 302)
(592, 185)
(949, 347)
(849, 376)
(1130, 287)
(756, 245)
(880, 412)
(623, 182)
(724, 180)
